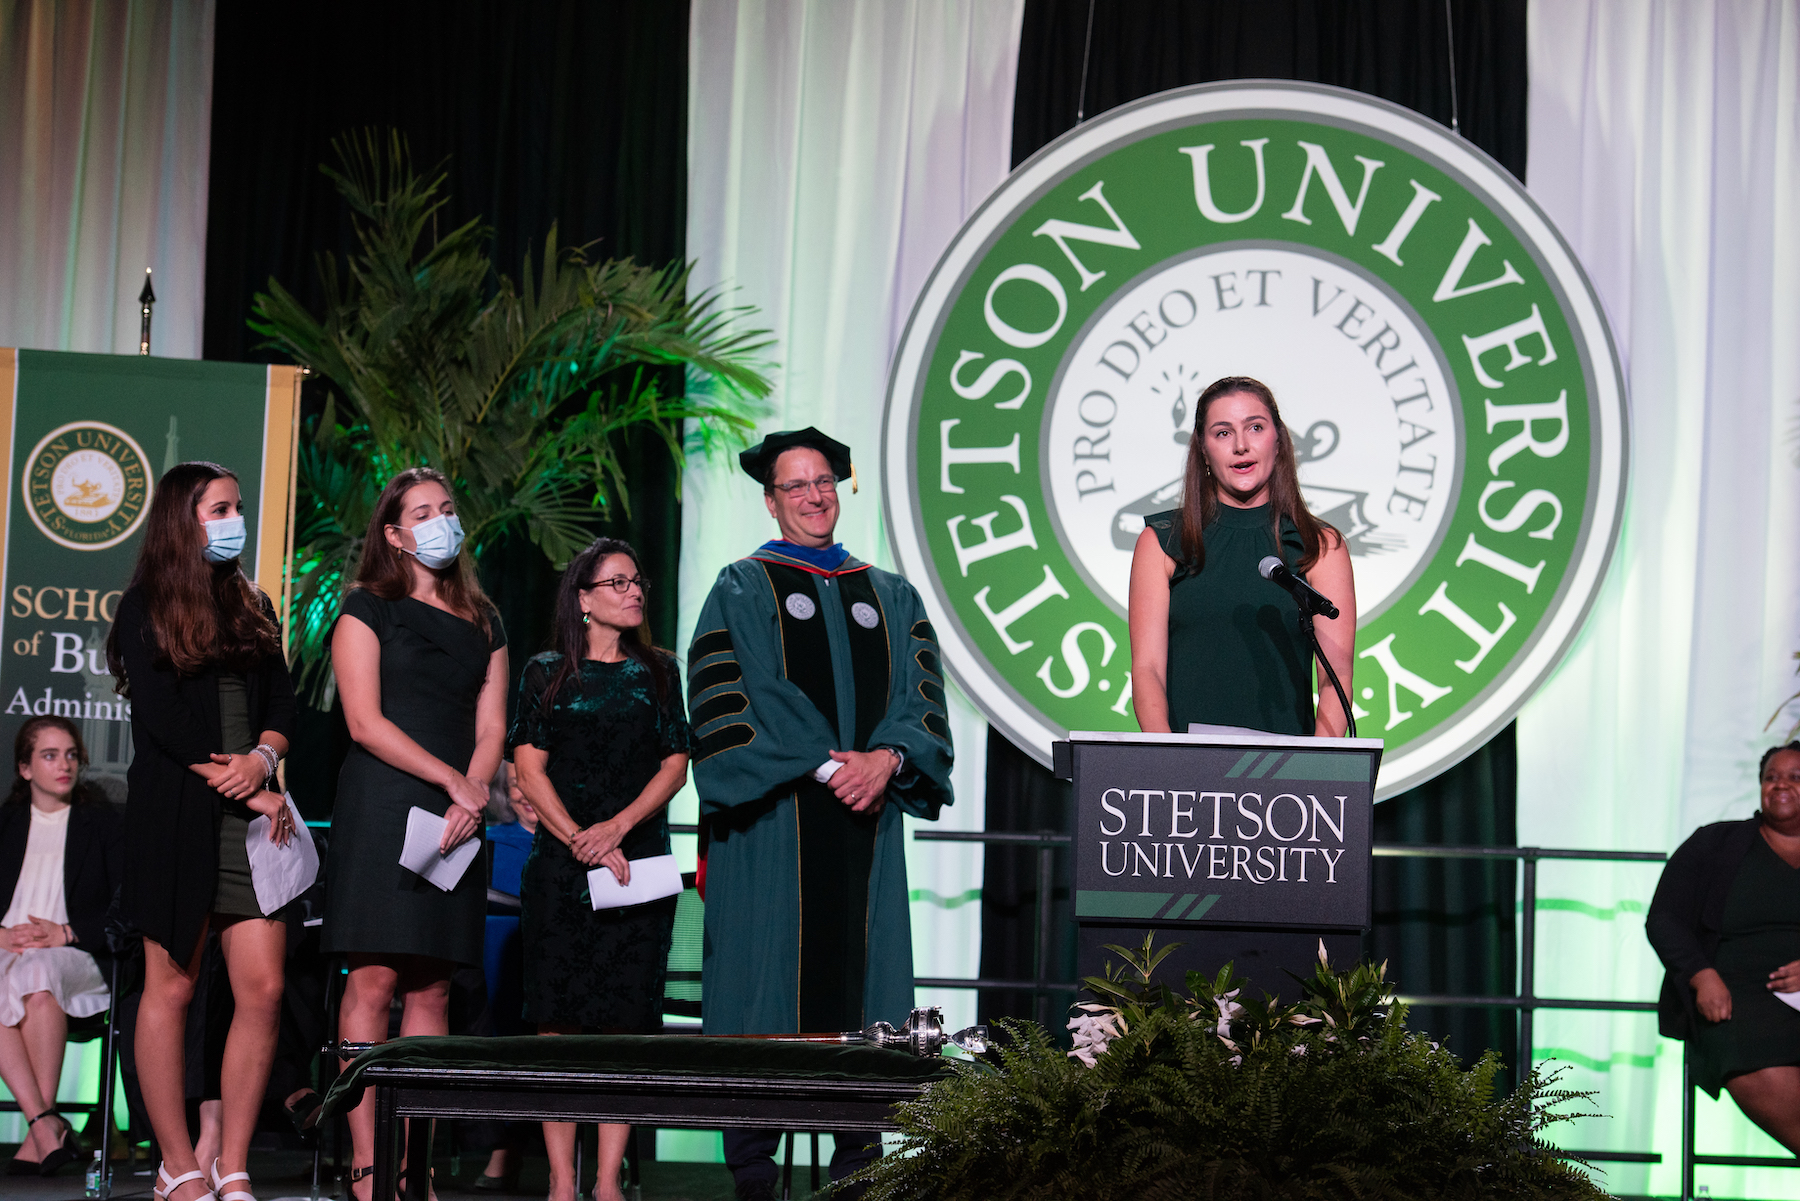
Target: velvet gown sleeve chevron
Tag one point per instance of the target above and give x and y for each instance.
(807, 927)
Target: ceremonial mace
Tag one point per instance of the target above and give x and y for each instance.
(923, 1035)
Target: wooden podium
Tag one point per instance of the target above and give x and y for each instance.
(1248, 848)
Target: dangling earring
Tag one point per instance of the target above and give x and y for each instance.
(585, 619)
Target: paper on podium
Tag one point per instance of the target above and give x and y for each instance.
(279, 874)
(420, 854)
(652, 879)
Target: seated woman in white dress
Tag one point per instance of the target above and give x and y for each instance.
(60, 863)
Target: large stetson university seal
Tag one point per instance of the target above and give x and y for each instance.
(1453, 391)
(87, 485)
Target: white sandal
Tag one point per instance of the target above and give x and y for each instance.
(171, 1183)
(219, 1182)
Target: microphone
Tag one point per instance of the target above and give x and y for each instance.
(1310, 599)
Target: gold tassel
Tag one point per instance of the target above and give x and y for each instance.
(853, 487)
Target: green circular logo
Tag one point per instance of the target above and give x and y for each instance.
(1452, 388)
(86, 485)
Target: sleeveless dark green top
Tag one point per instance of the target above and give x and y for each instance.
(1235, 654)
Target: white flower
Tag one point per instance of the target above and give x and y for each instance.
(1092, 1034)
(1228, 1009)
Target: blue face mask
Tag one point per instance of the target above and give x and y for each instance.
(438, 541)
(224, 540)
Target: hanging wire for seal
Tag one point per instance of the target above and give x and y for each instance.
(1450, 49)
(1087, 47)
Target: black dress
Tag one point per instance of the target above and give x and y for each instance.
(433, 665)
(1761, 932)
(606, 736)
(172, 815)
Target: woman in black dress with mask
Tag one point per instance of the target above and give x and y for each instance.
(420, 660)
(195, 646)
(601, 742)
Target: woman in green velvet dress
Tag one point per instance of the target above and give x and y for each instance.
(1211, 640)
(601, 742)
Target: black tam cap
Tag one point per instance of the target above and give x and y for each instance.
(759, 460)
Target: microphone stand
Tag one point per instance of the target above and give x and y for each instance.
(1312, 641)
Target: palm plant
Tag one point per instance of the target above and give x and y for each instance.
(522, 394)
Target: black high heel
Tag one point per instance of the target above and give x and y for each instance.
(66, 1152)
(303, 1111)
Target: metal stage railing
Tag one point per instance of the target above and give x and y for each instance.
(1525, 1004)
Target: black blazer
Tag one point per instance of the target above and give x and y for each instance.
(93, 865)
(171, 814)
(1688, 912)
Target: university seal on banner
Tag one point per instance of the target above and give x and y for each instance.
(1444, 366)
(87, 485)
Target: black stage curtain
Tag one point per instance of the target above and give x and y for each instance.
(564, 112)
(1446, 926)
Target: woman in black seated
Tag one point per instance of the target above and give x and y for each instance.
(601, 742)
(1726, 923)
(1211, 640)
(60, 865)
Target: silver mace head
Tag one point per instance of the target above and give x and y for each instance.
(923, 1035)
(345, 1049)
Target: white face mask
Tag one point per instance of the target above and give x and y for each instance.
(438, 541)
(224, 539)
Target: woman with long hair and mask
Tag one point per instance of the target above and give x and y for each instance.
(60, 863)
(601, 742)
(1212, 641)
(195, 646)
(420, 660)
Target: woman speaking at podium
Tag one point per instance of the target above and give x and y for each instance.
(1212, 640)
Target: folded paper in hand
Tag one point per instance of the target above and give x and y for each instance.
(280, 873)
(652, 879)
(420, 854)
(1790, 999)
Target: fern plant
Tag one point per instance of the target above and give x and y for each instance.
(521, 393)
(1212, 1095)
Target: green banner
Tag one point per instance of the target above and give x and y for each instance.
(84, 438)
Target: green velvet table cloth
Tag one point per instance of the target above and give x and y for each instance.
(640, 1055)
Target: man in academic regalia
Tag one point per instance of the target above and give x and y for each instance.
(815, 690)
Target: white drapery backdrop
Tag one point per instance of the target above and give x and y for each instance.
(105, 132)
(1665, 143)
(833, 152)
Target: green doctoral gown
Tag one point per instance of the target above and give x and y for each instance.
(807, 925)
